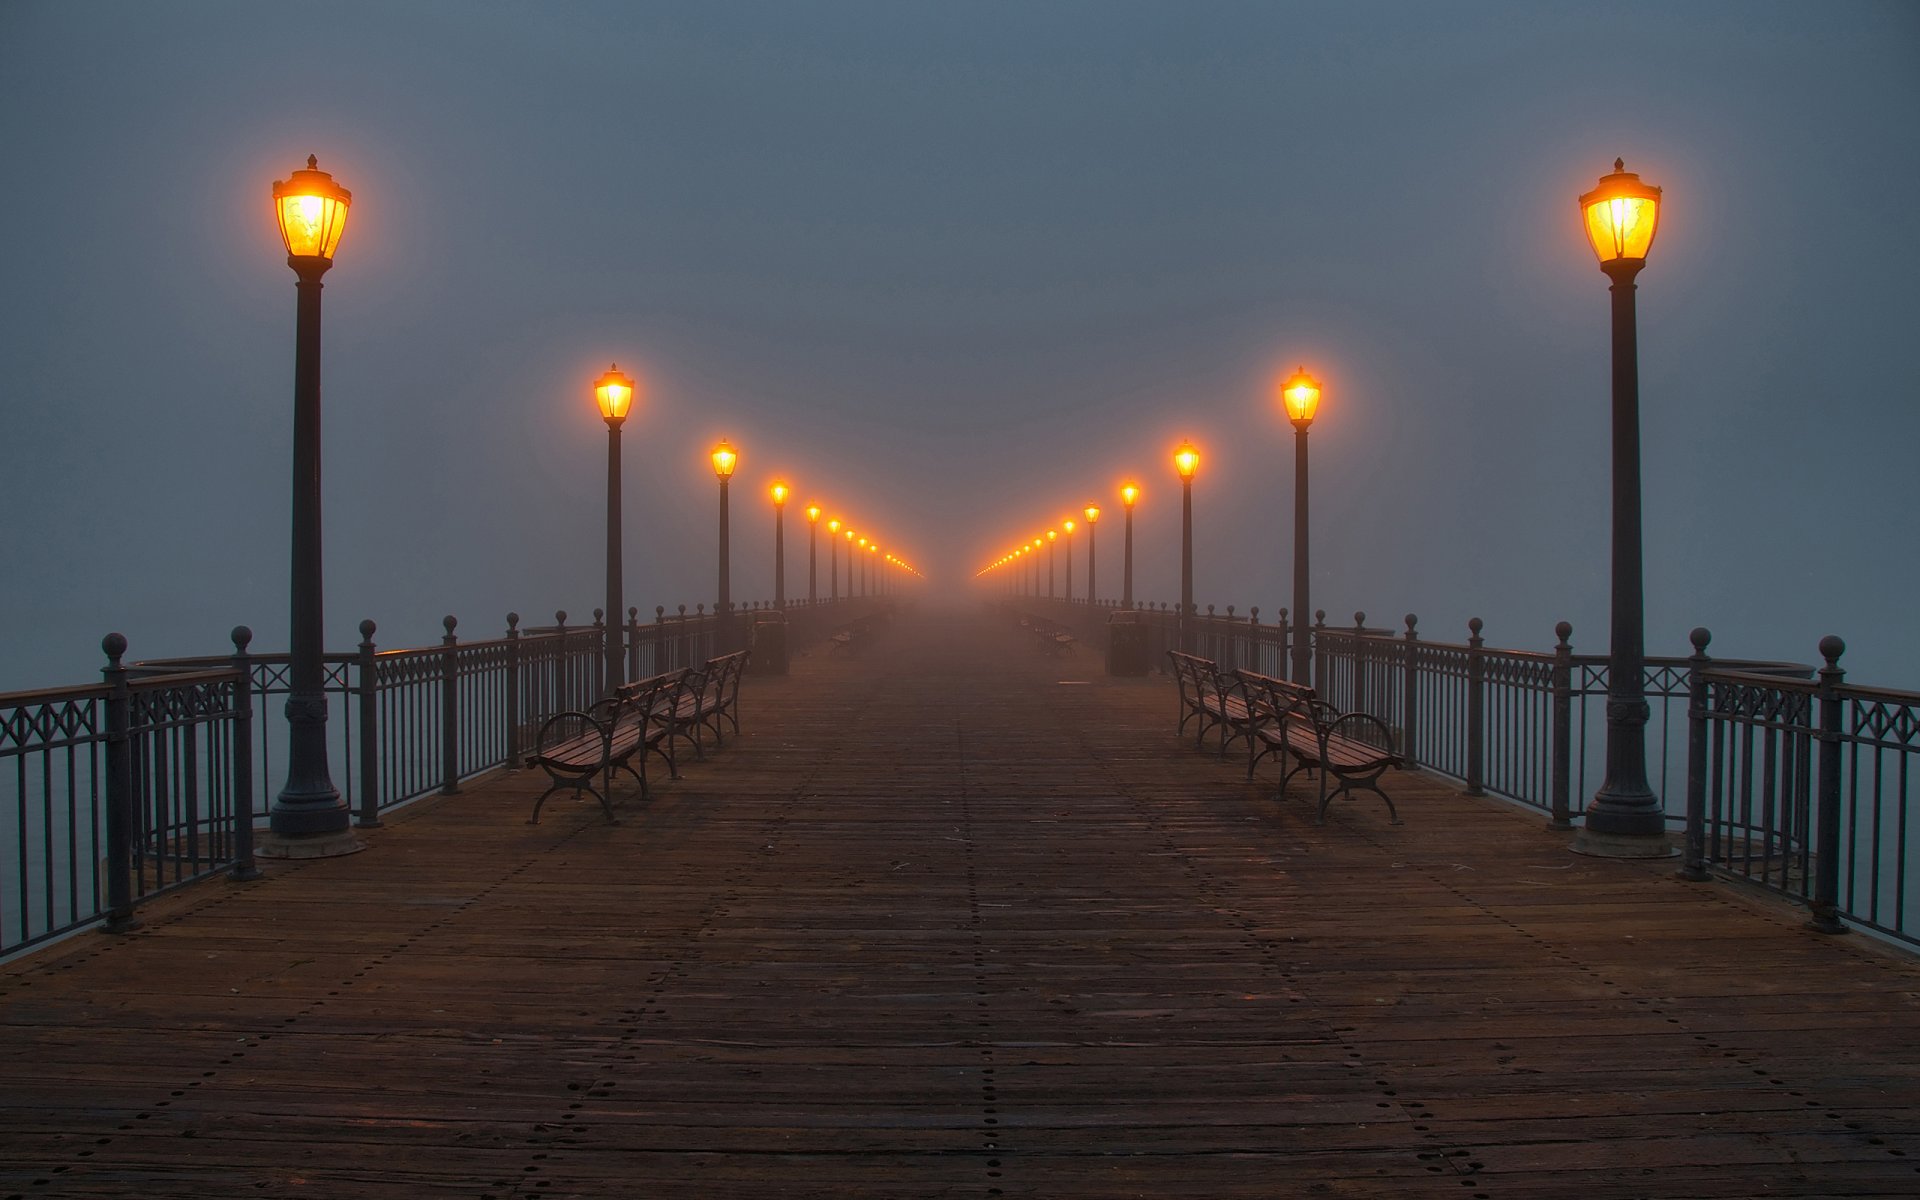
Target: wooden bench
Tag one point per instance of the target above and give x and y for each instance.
(1288, 721)
(577, 748)
(707, 698)
(1050, 635)
(854, 634)
(1210, 700)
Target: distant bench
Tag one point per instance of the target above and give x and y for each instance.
(579, 749)
(855, 633)
(1286, 720)
(1048, 634)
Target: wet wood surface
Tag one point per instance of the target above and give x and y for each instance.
(960, 917)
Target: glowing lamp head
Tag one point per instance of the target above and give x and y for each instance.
(1068, 526)
(863, 543)
(833, 526)
(1620, 215)
(779, 492)
(312, 211)
(813, 514)
(1129, 493)
(1093, 513)
(724, 460)
(1301, 395)
(1186, 460)
(849, 535)
(614, 393)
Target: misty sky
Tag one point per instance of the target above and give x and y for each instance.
(955, 269)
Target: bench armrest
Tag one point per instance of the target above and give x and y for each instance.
(1362, 728)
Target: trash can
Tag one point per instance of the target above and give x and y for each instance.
(1126, 643)
(769, 643)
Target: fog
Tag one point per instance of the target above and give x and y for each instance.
(955, 270)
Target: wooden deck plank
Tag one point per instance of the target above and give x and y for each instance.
(938, 925)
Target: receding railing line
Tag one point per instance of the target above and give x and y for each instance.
(1792, 782)
(113, 792)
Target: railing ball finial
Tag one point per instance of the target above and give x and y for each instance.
(243, 637)
(1700, 637)
(599, 615)
(1320, 616)
(1475, 625)
(1209, 610)
(659, 612)
(683, 610)
(1412, 620)
(1563, 631)
(633, 613)
(560, 616)
(1359, 619)
(1253, 614)
(115, 645)
(513, 620)
(451, 622)
(367, 628)
(1831, 648)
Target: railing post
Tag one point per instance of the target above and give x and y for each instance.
(1693, 862)
(1826, 850)
(1409, 694)
(1319, 653)
(662, 649)
(369, 704)
(244, 866)
(562, 666)
(602, 630)
(1476, 714)
(1282, 668)
(119, 764)
(1358, 703)
(513, 692)
(1562, 763)
(450, 711)
(633, 645)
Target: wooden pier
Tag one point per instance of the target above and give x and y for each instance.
(960, 918)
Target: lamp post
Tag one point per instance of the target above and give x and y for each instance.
(725, 459)
(1093, 594)
(312, 213)
(1625, 818)
(1301, 396)
(1037, 543)
(1128, 494)
(1186, 460)
(873, 565)
(833, 559)
(614, 393)
(779, 492)
(863, 569)
(1067, 526)
(1053, 535)
(849, 564)
(813, 557)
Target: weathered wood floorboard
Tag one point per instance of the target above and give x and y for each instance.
(943, 925)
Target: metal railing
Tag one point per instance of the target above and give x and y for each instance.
(84, 837)
(1796, 784)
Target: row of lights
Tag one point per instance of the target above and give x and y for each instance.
(1619, 218)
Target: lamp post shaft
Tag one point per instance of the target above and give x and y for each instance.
(309, 803)
(616, 660)
(1126, 563)
(813, 557)
(1186, 563)
(725, 603)
(1093, 596)
(1302, 650)
(1069, 585)
(1049, 570)
(779, 556)
(833, 569)
(1625, 805)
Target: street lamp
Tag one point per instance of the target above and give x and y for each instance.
(725, 459)
(813, 541)
(863, 570)
(1067, 526)
(1128, 494)
(1186, 460)
(1625, 818)
(1092, 514)
(1301, 396)
(614, 394)
(833, 560)
(1053, 535)
(312, 213)
(779, 491)
(849, 564)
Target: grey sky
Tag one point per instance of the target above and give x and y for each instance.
(956, 269)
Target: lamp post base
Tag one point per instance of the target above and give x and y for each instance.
(1624, 845)
(311, 845)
